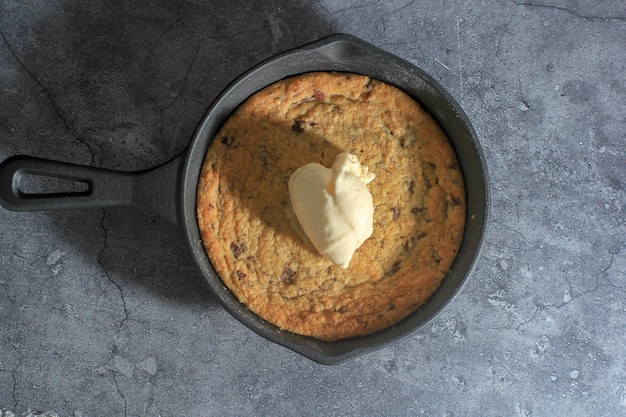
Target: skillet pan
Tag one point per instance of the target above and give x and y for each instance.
(169, 190)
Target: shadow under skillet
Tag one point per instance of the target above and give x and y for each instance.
(133, 84)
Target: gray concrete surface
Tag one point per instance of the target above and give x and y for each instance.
(103, 313)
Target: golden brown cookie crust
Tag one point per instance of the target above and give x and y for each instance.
(248, 229)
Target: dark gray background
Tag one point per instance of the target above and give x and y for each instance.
(103, 313)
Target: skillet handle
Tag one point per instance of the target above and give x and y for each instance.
(155, 190)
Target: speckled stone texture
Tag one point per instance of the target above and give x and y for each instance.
(103, 313)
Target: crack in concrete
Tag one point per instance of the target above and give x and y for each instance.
(197, 3)
(184, 83)
(542, 307)
(14, 378)
(520, 234)
(487, 62)
(574, 297)
(48, 94)
(185, 79)
(228, 37)
(383, 15)
(106, 272)
(350, 8)
(142, 18)
(505, 31)
(383, 23)
(532, 318)
(592, 18)
(119, 391)
(167, 30)
(120, 289)
(398, 9)
(605, 271)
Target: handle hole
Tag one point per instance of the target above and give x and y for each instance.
(31, 184)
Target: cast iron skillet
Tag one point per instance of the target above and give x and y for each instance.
(170, 189)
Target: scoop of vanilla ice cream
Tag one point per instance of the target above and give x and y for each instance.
(334, 206)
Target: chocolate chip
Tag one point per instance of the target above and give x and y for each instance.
(394, 268)
(240, 274)
(395, 212)
(412, 241)
(237, 249)
(287, 275)
(417, 210)
(297, 126)
(436, 257)
(412, 186)
(228, 140)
